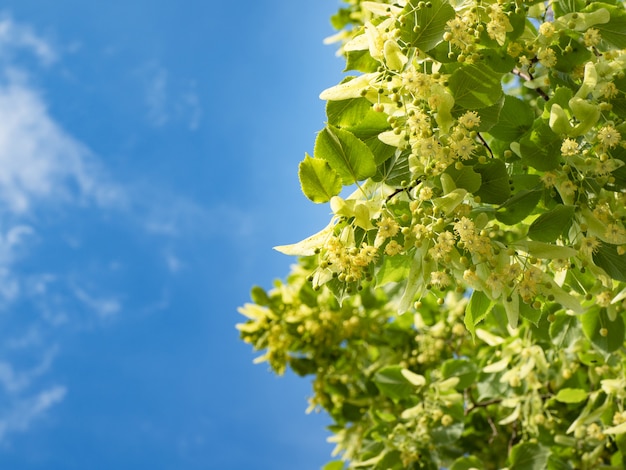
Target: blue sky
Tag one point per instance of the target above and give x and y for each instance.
(148, 163)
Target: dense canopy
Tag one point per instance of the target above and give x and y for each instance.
(464, 307)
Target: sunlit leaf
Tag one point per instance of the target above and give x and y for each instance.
(424, 27)
(475, 87)
(318, 180)
(348, 156)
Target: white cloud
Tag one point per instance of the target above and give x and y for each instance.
(173, 263)
(156, 96)
(39, 160)
(166, 101)
(14, 381)
(102, 306)
(25, 410)
(43, 168)
(16, 37)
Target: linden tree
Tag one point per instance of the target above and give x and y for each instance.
(464, 308)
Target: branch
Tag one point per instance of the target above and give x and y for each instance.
(482, 404)
(484, 142)
(400, 190)
(528, 77)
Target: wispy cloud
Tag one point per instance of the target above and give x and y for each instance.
(44, 171)
(23, 411)
(39, 160)
(16, 37)
(103, 306)
(169, 100)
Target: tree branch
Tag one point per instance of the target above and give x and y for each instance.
(528, 77)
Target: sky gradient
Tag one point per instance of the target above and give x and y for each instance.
(148, 163)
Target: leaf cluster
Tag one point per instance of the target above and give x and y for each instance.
(465, 306)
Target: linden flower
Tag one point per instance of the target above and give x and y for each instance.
(393, 248)
(425, 194)
(458, 35)
(367, 254)
(417, 83)
(569, 147)
(546, 30)
(420, 231)
(512, 271)
(614, 233)
(603, 299)
(446, 238)
(567, 188)
(499, 24)
(592, 37)
(387, 227)
(589, 245)
(470, 119)
(547, 57)
(494, 282)
(514, 49)
(463, 147)
(549, 179)
(609, 136)
(609, 90)
(439, 278)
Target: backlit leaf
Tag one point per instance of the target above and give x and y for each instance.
(318, 180)
(475, 86)
(347, 155)
(424, 27)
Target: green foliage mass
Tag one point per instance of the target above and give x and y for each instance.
(465, 306)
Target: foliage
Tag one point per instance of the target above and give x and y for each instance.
(465, 306)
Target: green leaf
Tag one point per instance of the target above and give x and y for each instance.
(465, 178)
(443, 435)
(336, 465)
(476, 311)
(319, 182)
(357, 116)
(489, 116)
(361, 61)
(259, 296)
(607, 258)
(606, 335)
(544, 250)
(529, 313)
(475, 86)
(395, 170)
(498, 59)
(541, 148)
(571, 395)
(392, 383)
(467, 463)
(516, 117)
(349, 113)
(548, 227)
(495, 188)
(392, 269)
(391, 460)
(563, 7)
(564, 330)
(340, 20)
(576, 54)
(465, 370)
(303, 365)
(347, 155)
(529, 456)
(424, 27)
(518, 207)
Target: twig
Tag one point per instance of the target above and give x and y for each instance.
(528, 77)
(484, 142)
